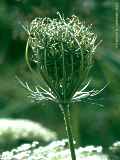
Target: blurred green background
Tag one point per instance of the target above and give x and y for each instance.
(94, 121)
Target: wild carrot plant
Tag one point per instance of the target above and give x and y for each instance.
(63, 51)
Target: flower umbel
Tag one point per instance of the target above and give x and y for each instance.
(63, 51)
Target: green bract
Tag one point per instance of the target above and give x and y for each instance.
(63, 50)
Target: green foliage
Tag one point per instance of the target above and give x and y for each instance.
(92, 124)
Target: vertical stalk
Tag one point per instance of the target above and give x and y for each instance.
(66, 113)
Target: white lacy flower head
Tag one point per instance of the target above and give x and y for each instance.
(57, 150)
(12, 130)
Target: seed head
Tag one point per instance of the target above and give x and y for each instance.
(63, 50)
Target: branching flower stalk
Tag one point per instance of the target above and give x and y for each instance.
(63, 51)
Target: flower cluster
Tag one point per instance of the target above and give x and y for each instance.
(12, 130)
(63, 50)
(57, 150)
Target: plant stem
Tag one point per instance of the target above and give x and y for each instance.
(66, 113)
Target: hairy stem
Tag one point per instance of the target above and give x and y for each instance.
(66, 113)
